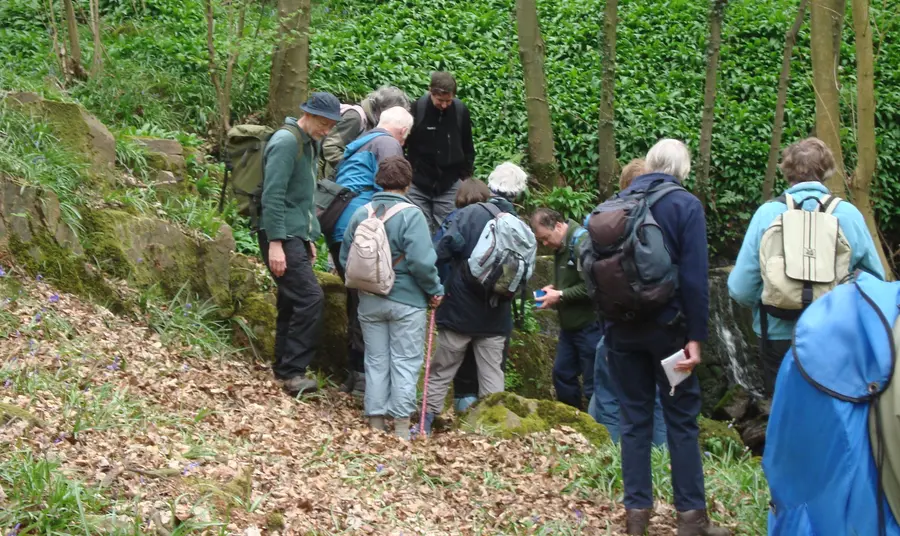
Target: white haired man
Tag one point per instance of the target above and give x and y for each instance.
(466, 315)
(636, 348)
(356, 120)
(357, 172)
(440, 149)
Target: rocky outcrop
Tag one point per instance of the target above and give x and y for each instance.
(163, 155)
(507, 415)
(77, 129)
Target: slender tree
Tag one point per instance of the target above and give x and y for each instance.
(866, 160)
(608, 169)
(716, 15)
(825, 83)
(97, 59)
(59, 51)
(237, 11)
(540, 128)
(74, 46)
(289, 82)
(778, 127)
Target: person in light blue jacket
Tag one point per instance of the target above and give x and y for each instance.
(805, 164)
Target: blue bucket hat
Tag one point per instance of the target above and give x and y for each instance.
(324, 105)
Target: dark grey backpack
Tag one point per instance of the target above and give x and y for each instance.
(627, 267)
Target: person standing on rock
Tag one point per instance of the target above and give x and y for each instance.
(355, 121)
(468, 314)
(805, 164)
(394, 325)
(357, 173)
(580, 332)
(288, 230)
(440, 148)
(639, 339)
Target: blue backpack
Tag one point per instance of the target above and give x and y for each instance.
(828, 456)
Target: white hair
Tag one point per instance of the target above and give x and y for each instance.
(396, 117)
(670, 157)
(508, 180)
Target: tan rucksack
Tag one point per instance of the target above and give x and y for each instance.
(370, 264)
(802, 255)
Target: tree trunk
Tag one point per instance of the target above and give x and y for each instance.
(775, 146)
(289, 82)
(540, 128)
(825, 84)
(608, 170)
(97, 60)
(865, 98)
(74, 46)
(58, 51)
(212, 66)
(716, 14)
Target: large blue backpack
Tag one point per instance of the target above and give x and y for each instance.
(825, 456)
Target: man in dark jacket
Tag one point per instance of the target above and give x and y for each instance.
(466, 316)
(580, 331)
(636, 349)
(440, 148)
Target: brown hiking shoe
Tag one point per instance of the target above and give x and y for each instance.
(637, 522)
(299, 385)
(697, 523)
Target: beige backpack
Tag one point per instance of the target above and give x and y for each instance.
(802, 255)
(370, 264)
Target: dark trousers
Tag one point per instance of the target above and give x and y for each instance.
(465, 383)
(575, 352)
(635, 353)
(773, 353)
(300, 305)
(356, 349)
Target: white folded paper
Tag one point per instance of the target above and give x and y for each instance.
(675, 376)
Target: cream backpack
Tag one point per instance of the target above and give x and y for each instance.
(802, 255)
(370, 264)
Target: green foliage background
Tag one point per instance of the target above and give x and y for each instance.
(156, 77)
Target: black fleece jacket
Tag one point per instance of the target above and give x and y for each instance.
(440, 146)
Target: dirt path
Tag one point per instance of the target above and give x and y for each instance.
(216, 441)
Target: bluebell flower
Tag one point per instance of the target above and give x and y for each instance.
(15, 530)
(39, 278)
(379, 468)
(2, 272)
(54, 298)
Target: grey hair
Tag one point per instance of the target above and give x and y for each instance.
(398, 117)
(387, 97)
(671, 157)
(508, 180)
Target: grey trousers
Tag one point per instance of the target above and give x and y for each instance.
(449, 356)
(436, 208)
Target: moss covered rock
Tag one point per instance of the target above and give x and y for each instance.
(507, 415)
(77, 129)
(332, 354)
(163, 154)
(719, 437)
(530, 364)
(257, 311)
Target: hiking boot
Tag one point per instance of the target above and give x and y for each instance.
(359, 384)
(463, 403)
(401, 428)
(429, 420)
(637, 521)
(347, 386)
(376, 422)
(300, 384)
(697, 523)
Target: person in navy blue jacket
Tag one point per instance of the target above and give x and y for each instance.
(636, 349)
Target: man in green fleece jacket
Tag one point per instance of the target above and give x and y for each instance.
(288, 230)
(580, 330)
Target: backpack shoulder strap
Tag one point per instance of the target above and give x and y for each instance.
(420, 111)
(492, 208)
(295, 130)
(370, 209)
(661, 190)
(829, 203)
(459, 112)
(391, 212)
(575, 236)
(788, 200)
